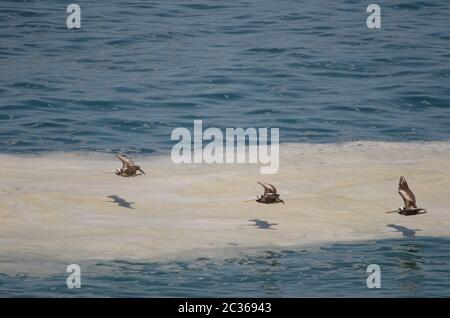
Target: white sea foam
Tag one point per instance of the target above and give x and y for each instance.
(57, 206)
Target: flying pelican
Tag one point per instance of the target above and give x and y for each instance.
(129, 169)
(270, 194)
(409, 199)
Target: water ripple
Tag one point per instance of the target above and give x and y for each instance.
(137, 70)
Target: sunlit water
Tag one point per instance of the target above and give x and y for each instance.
(138, 69)
(410, 267)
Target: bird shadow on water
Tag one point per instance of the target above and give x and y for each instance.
(410, 233)
(120, 201)
(408, 256)
(263, 224)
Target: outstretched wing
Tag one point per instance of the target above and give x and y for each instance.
(126, 162)
(407, 195)
(273, 189)
(268, 188)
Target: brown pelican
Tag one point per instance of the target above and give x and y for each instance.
(129, 169)
(270, 194)
(409, 199)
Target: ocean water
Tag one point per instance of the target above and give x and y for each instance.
(410, 267)
(138, 69)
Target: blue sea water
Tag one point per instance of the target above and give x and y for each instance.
(409, 267)
(138, 69)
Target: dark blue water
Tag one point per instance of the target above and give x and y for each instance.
(138, 69)
(410, 267)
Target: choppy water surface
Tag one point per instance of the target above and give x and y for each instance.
(410, 267)
(137, 69)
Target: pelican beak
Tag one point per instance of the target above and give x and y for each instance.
(394, 211)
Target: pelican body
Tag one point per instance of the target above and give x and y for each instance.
(409, 200)
(270, 194)
(129, 168)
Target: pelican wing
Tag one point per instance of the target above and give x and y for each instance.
(407, 195)
(273, 189)
(126, 162)
(268, 188)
